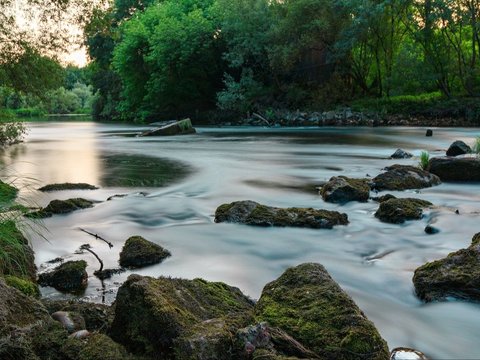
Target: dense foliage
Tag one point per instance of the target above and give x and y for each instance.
(161, 58)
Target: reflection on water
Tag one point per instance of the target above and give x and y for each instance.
(123, 170)
(372, 261)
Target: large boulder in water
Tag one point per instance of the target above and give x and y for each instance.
(455, 169)
(404, 177)
(458, 148)
(397, 211)
(70, 277)
(341, 189)
(252, 213)
(455, 276)
(312, 308)
(162, 316)
(138, 252)
(182, 127)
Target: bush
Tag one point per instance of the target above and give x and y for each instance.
(11, 131)
(424, 158)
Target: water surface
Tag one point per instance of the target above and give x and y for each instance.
(173, 186)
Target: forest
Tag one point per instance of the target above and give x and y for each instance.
(151, 60)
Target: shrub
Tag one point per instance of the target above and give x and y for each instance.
(11, 131)
(476, 146)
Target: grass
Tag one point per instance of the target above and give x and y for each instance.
(424, 158)
(476, 146)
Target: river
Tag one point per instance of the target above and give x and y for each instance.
(173, 186)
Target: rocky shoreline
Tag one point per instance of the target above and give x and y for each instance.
(348, 117)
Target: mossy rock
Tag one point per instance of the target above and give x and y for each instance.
(138, 252)
(98, 317)
(466, 169)
(69, 277)
(252, 213)
(404, 177)
(151, 314)
(458, 147)
(61, 207)
(397, 211)
(455, 276)
(67, 186)
(311, 307)
(383, 198)
(8, 193)
(16, 255)
(18, 310)
(341, 189)
(96, 347)
(27, 287)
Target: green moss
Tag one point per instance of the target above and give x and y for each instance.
(67, 186)
(456, 275)
(398, 211)
(70, 276)
(138, 252)
(311, 307)
(61, 207)
(96, 347)
(151, 313)
(27, 287)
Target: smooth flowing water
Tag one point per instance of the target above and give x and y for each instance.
(174, 185)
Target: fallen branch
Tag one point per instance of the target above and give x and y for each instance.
(87, 247)
(97, 237)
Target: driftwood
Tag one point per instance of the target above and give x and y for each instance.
(87, 247)
(96, 236)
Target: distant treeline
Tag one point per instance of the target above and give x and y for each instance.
(185, 57)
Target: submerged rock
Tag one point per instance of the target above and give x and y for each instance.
(61, 207)
(401, 154)
(252, 213)
(162, 316)
(431, 230)
(458, 148)
(404, 177)
(456, 276)
(397, 211)
(402, 353)
(429, 132)
(70, 277)
(342, 189)
(67, 186)
(455, 169)
(181, 127)
(312, 308)
(138, 252)
(383, 198)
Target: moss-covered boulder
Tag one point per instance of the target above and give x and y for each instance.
(341, 189)
(404, 177)
(70, 277)
(252, 213)
(455, 276)
(312, 308)
(67, 186)
(159, 316)
(95, 347)
(455, 169)
(16, 255)
(61, 207)
(138, 252)
(397, 211)
(458, 148)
